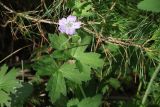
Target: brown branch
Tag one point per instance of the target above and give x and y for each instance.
(37, 20)
(106, 40)
(117, 41)
(14, 53)
(26, 16)
(7, 8)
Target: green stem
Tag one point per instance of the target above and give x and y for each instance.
(82, 91)
(139, 88)
(150, 84)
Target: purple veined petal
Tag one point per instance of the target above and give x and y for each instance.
(71, 18)
(77, 25)
(62, 21)
(70, 31)
(62, 29)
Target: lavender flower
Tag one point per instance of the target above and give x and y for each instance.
(69, 25)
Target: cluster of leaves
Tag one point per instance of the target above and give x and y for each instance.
(68, 62)
(81, 9)
(8, 85)
(12, 91)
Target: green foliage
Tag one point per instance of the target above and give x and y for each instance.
(81, 8)
(22, 95)
(8, 84)
(150, 5)
(114, 53)
(5, 99)
(75, 66)
(58, 42)
(45, 63)
(56, 86)
(71, 72)
(86, 102)
(91, 59)
(155, 46)
(114, 83)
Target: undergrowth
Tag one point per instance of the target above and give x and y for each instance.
(112, 60)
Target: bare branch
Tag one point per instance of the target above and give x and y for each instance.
(7, 8)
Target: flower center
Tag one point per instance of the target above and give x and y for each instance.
(69, 24)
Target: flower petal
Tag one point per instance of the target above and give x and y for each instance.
(77, 25)
(62, 29)
(71, 18)
(62, 21)
(70, 31)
